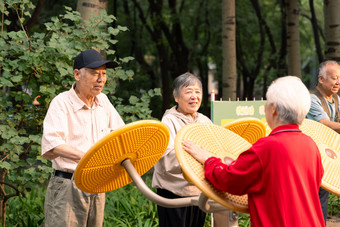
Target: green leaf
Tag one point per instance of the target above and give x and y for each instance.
(9, 133)
(5, 165)
(133, 100)
(127, 59)
(5, 82)
(22, 20)
(17, 78)
(35, 138)
(7, 22)
(113, 31)
(122, 28)
(71, 17)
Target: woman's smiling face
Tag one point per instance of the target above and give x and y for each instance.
(189, 100)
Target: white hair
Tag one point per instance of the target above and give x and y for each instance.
(291, 98)
(323, 68)
(185, 80)
(82, 72)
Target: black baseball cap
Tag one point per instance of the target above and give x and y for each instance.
(92, 59)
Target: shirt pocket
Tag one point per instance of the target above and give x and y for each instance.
(103, 132)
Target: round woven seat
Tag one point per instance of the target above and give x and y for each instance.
(142, 142)
(221, 143)
(249, 128)
(328, 142)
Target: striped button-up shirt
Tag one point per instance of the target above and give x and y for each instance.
(69, 121)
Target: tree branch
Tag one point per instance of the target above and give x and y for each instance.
(35, 16)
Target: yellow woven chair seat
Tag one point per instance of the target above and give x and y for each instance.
(249, 128)
(100, 170)
(328, 142)
(220, 143)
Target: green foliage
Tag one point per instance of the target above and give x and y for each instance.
(27, 211)
(124, 207)
(248, 39)
(128, 207)
(138, 108)
(168, 40)
(333, 205)
(243, 220)
(40, 65)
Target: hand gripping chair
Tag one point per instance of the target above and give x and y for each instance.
(222, 143)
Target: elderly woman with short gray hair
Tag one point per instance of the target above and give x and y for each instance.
(168, 177)
(280, 173)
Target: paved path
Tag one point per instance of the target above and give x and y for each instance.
(333, 222)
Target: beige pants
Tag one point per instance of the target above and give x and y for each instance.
(226, 218)
(66, 205)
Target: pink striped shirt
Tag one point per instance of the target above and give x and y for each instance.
(69, 121)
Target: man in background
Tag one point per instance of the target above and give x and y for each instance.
(325, 108)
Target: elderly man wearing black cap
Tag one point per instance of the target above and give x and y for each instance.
(76, 120)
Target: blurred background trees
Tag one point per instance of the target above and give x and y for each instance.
(167, 38)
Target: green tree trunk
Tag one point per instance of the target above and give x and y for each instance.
(88, 7)
(229, 50)
(293, 38)
(332, 29)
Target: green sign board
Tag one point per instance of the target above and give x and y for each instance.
(225, 111)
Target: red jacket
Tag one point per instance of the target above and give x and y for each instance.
(280, 173)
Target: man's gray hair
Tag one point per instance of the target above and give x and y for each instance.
(291, 98)
(82, 72)
(322, 67)
(185, 80)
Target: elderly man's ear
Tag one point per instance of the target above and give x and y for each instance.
(320, 79)
(272, 109)
(77, 74)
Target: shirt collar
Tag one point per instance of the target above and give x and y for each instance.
(285, 128)
(188, 118)
(78, 104)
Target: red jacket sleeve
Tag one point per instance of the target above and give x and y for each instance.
(240, 177)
